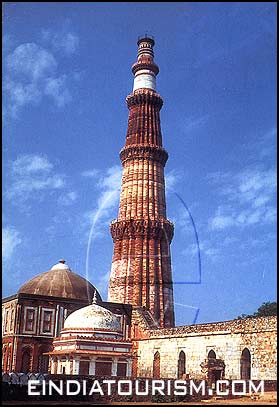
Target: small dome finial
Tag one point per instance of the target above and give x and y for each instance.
(94, 299)
(61, 265)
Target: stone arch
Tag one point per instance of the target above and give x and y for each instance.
(9, 358)
(103, 366)
(156, 365)
(26, 360)
(4, 355)
(215, 367)
(211, 354)
(181, 364)
(245, 364)
(43, 360)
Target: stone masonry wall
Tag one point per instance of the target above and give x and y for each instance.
(227, 339)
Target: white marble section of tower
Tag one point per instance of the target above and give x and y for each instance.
(146, 71)
(144, 79)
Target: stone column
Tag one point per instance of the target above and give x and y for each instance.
(55, 365)
(114, 367)
(68, 366)
(51, 365)
(59, 366)
(76, 366)
(129, 368)
(92, 367)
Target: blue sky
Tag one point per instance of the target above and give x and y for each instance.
(66, 74)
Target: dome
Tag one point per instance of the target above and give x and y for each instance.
(60, 281)
(92, 317)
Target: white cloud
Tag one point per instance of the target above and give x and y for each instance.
(182, 220)
(30, 75)
(270, 215)
(91, 173)
(195, 122)
(31, 60)
(29, 163)
(172, 178)
(112, 179)
(21, 94)
(68, 198)
(250, 198)
(56, 88)
(261, 201)
(69, 42)
(229, 240)
(31, 174)
(63, 41)
(24, 187)
(207, 251)
(191, 250)
(256, 184)
(108, 184)
(221, 222)
(10, 240)
(103, 283)
(265, 145)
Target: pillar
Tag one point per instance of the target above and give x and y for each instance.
(114, 367)
(92, 367)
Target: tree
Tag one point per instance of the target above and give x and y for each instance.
(265, 310)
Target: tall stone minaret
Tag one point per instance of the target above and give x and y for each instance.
(141, 265)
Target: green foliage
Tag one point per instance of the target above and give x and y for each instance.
(265, 310)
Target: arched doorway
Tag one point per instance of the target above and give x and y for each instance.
(211, 354)
(156, 365)
(4, 355)
(181, 364)
(215, 367)
(9, 358)
(26, 361)
(84, 367)
(103, 367)
(245, 364)
(43, 360)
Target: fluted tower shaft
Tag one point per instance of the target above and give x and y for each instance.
(141, 265)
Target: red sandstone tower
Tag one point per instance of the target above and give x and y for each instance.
(141, 265)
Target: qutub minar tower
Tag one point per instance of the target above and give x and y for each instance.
(141, 265)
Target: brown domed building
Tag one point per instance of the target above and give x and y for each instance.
(36, 314)
(59, 281)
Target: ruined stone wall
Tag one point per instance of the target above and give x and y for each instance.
(227, 339)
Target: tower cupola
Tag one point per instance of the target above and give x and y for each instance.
(145, 69)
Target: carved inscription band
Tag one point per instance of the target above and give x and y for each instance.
(144, 97)
(152, 153)
(153, 229)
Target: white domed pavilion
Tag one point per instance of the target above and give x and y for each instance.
(92, 343)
